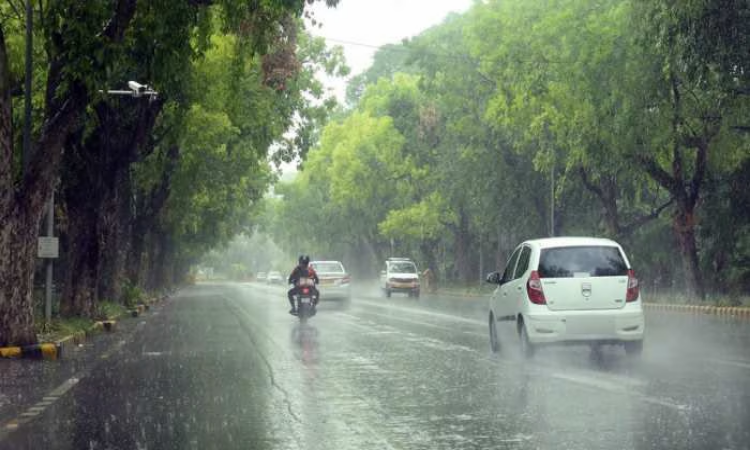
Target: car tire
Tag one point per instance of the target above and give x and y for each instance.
(494, 341)
(416, 294)
(527, 348)
(634, 348)
(387, 293)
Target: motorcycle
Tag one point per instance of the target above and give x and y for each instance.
(305, 299)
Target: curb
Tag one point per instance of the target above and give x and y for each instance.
(722, 311)
(47, 350)
(55, 350)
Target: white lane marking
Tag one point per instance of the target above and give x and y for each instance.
(733, 363)
(614, 387)
(415, 322)
(64, 387)
(422, 312)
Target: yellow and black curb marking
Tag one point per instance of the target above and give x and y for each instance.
(138, 310)
(722, 311)
(48, 350)
(55, 350)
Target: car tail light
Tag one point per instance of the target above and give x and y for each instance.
(633, 290)
(534, 289)
(346, 279)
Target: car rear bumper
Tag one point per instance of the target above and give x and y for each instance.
(609, 326)
(402, 286)
(334, 291)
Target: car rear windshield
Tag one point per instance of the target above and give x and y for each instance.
(403, 267)
(328, 267)
(588, 261)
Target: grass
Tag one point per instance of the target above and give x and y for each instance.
(60, 327)
(110, 310)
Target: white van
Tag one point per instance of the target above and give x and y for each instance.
(400, 275)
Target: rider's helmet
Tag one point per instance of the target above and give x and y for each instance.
(304, 260)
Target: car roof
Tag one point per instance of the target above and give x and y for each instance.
(573, 241)
(325, 261)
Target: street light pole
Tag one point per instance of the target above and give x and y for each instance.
(26, 156)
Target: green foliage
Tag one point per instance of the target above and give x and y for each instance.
(424, 220)
(458, 140)
(60, 327)
(107, 310)
(131, 295)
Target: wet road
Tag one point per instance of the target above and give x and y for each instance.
(225, 367)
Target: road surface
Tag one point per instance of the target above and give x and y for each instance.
(223, 366)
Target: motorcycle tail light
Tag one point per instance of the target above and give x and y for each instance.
(305, 291)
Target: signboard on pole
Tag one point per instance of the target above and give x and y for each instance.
(48, 247)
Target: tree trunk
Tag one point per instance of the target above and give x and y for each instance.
(427, 247)
(684, 227)
(114, 244)
(157, 259)
(462, 248)
(81, 268)
(97, 194)
(18, 237)
(17, 232)
(148, 210)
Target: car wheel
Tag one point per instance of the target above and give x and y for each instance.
(416, 294)
(387, 293)
(494, 342)
(634, 348)
(527, 348)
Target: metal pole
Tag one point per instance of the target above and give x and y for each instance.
(50, 263)
(26, 156)
(552, 202)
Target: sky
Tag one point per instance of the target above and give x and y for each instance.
(360, 26)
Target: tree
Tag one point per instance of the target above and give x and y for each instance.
(82, 55)
(693, 92)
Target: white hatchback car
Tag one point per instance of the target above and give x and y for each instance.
(568, 290)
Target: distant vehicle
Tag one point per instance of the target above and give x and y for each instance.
(568, 290)
(400, 275)
(261, 276)
(335, 282)
(274, 277)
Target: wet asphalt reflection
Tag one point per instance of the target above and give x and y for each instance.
(223, 366)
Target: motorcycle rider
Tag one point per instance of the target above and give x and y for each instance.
(302, 270)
